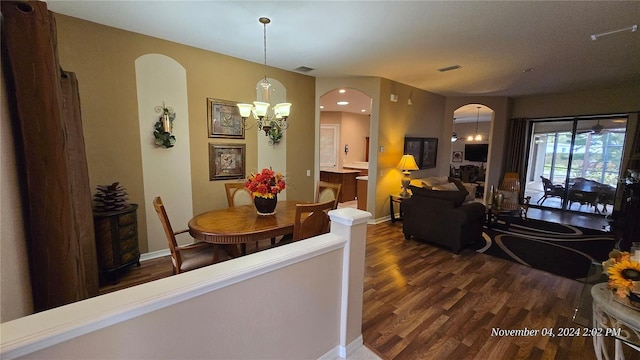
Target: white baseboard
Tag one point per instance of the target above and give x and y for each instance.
(341, 352)
(154, 254)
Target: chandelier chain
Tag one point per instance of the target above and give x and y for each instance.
(264, 24)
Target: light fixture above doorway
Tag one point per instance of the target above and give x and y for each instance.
(477, 136)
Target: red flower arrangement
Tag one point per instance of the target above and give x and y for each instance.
(265, 184)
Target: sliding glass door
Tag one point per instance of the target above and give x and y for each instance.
(575, 164)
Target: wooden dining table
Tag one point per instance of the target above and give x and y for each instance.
(242, 224)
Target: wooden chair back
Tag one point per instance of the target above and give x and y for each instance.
(311, 220)
(168, 231)
(237, 194)
(511, 183)
(328, 191)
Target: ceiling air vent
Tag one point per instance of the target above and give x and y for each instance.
(303, 69)
(449, 68)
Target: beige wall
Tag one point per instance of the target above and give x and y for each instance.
(103, 59)
(354, 128)
(15, 288)
(423, 118)
(620, 99)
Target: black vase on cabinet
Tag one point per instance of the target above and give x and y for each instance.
(116, 240)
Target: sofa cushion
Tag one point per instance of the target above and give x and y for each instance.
(447, 187)
(456, 197)
(458, 184)
(434, 180)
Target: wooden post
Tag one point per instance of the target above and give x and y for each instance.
(61, 242)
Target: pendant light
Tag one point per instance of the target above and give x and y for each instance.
(477, 137)
(269, 119)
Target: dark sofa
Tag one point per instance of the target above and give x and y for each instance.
(440, 217)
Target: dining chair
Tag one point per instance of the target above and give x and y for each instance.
(328, 191)
(237, 194)
(184, 257)
(511, 182)
(311, 219)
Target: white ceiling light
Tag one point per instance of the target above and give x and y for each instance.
(342, 91)
(342, 103)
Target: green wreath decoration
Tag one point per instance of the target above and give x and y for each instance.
(275, 134)
(164, 138)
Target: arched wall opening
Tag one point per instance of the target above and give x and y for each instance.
(471, 144)
(344, 142)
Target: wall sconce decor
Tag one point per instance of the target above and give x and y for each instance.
(273, 120)
(164, 126)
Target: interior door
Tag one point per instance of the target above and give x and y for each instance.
(329, 140)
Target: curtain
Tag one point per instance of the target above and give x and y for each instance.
(515, 149)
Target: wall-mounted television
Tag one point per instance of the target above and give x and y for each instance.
(476, 152)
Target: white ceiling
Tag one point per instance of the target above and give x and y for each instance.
(405, 41)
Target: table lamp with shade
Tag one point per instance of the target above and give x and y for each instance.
(407, 163)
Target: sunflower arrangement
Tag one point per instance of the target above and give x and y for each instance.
(265, 184)
(624, 276)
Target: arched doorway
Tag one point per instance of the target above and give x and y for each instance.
(470, 147)
(344, 142)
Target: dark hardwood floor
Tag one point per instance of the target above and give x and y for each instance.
(423, 302)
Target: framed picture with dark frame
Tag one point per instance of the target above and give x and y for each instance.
(413, 146)
(424, 150)
(223, 119)
(456, 156)
(226, 161)
(429, 153)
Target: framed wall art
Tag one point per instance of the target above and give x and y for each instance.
(424, 150)
(429, 153)
(456, 156)
(413, 146)
(226, 161)
(224, 120)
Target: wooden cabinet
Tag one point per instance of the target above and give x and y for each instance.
(116, 240)
(345, 177)
(361, 192)
(626, 225)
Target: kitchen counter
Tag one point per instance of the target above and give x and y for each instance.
(345, 177)
(340, 171)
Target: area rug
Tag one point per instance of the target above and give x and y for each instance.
(560, 249)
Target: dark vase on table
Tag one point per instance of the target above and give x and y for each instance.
(266, 206)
